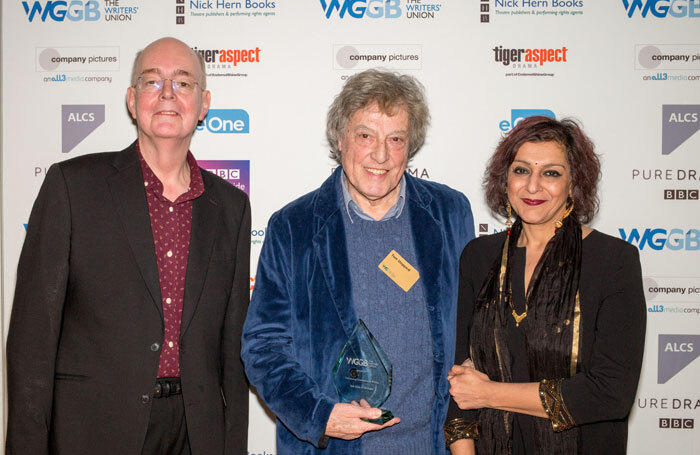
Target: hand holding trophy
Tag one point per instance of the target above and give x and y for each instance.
(362, 373)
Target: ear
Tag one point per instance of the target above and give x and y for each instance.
(206, 101)
(131, 101)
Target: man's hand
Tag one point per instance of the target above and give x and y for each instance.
(345, 421)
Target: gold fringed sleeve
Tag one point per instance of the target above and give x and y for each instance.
(554, 406)
(460, 428)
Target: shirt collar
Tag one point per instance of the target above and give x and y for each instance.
(154, 185)
(349, 203)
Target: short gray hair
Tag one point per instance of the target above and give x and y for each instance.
(390, 91)
(200, 60)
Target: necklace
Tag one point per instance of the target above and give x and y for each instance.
(504, 264)
(518, 317)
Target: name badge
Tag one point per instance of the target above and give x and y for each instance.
(399, 270)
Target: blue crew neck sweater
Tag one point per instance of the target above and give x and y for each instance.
(399, 322)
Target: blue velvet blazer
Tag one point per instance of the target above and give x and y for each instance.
(301, 312)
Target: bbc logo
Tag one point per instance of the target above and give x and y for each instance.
(684, 424)
(227, 174)
(681, 195)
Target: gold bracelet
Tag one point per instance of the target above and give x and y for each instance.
(554, 406)
(460, 428)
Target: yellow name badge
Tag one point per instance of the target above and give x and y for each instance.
(399, 270)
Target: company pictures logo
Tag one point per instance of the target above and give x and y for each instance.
(663, 8)
(364, 56)
(680, 122)
(68, 62)
(226, 121)
(518, 115)
(675, 353)
(77, 10)
(359, 9)
(668, 56)
(78, 121)
(236, 172)
(659, 239)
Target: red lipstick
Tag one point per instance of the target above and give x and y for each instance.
(534, 201)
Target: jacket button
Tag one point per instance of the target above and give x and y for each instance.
(155, 347)
(145, 399)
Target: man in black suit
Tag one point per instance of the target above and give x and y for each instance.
(132, 288)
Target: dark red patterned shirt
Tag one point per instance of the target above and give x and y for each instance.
(171, 223)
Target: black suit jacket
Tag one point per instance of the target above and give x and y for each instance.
(87, 320)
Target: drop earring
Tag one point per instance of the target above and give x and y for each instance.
(569, 208)
(509, 223)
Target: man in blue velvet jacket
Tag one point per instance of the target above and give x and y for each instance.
(319, 273)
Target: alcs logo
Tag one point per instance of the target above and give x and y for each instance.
(60, 10)
(663, 8)
(388, 9)
(675, 353)
(658, 239)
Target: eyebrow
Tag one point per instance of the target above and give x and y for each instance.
(367, 128)
(545, 165)
(179, 72)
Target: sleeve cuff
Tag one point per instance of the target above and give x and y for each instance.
(460, 428)
(554, 406)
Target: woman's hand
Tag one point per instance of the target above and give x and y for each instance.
(469, 387)
(472, 389)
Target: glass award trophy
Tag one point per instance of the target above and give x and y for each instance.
(363, 372)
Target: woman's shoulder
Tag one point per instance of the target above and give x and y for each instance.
(600, 248)
(483, 248)
(606, 244)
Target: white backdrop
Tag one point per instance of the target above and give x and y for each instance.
(628, 69)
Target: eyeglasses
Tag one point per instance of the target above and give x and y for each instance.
(152, 83)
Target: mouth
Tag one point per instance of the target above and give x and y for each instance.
(170, 113)
(376, 171)
(534, 201)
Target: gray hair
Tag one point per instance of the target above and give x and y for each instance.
(391, 91)
(139, 55)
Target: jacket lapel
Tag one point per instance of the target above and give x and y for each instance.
(129, 198)
(205, 217)
(330, 247)
(427, 239)
(429, 245)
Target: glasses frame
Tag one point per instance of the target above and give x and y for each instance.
(175, 88)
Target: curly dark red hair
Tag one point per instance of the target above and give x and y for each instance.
(580, 154)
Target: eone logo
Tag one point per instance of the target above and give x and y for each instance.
(662, 8)
(658, 239)
(358, 9)
(227, 121)
(60, 10)
(518, 115)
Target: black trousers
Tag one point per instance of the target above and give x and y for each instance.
(167, 428)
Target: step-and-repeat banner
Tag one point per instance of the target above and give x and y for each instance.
(629, 70)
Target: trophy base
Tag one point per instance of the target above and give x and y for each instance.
(384, 418)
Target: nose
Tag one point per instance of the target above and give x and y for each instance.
(167, 92)
(380, 152)
(533, 183)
